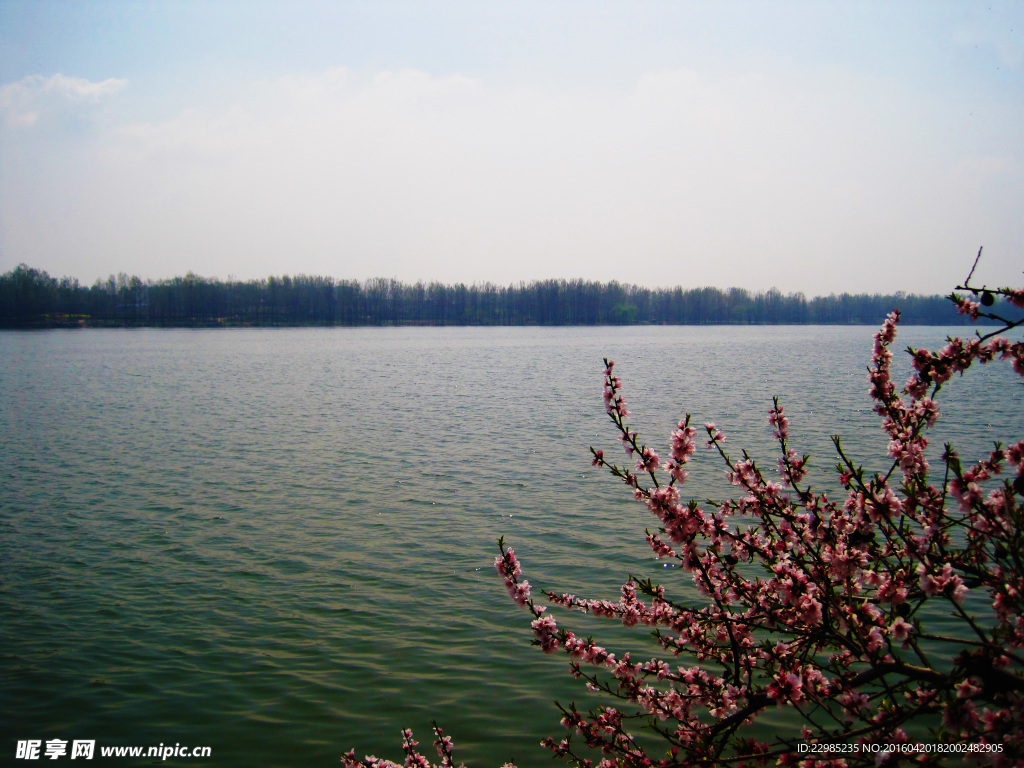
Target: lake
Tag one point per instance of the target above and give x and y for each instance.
(280, 543)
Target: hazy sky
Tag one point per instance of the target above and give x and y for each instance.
(814, 146)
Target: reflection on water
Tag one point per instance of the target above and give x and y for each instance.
(278, 543)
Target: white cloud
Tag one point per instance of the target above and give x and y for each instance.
(79, 89)
(24, 101)
(807, 183)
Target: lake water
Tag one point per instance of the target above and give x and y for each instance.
(279, 543)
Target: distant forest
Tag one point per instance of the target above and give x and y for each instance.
(30, 298)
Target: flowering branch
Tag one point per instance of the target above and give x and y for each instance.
(987, 297)
(824, 607)
(836, 628)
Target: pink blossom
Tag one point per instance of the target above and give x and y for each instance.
(875, 640)
(968, 689)
(787, 686)
(944, 582)
(780, 422)
(648, 461)
(967, 307)
(1015, 454)
(546, 629)
(799, 599)
(683, 442)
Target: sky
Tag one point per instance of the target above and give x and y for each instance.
(816, 146)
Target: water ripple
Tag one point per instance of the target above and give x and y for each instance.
(279, 543)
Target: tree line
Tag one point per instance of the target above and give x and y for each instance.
(31, 298)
